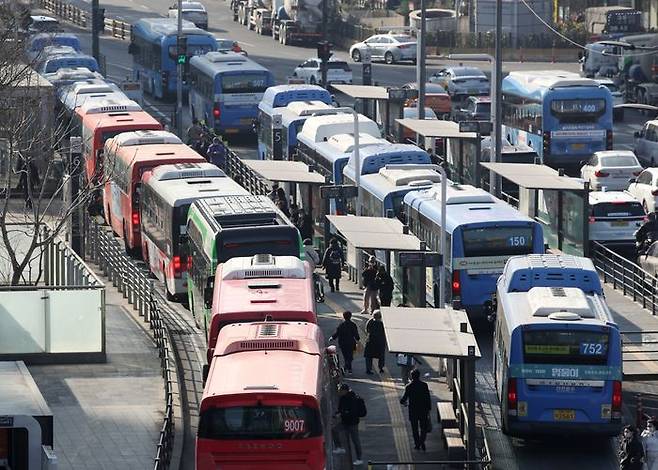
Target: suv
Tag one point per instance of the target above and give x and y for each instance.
(614, 217)
(646, 143)
(338, 71)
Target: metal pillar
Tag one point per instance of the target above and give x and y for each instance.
(179, 74)
(95, 31)
(498, 98)
(420, 62)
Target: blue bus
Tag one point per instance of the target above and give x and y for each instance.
(54, 61)
(225, 89)
(154, 51)
(563, 117)
(294, 103)
(37, 42)
(482, 233)
(557, 350)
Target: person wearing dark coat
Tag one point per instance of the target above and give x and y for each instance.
(631, 452)
(368, 275)
(376, 343)
(420, 404)
(347, 335)
(333, 261)
(349, 419)
(384, 283)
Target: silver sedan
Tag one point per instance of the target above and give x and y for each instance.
(390, 48)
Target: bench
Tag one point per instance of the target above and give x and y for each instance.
(452, 439)
(445, 415)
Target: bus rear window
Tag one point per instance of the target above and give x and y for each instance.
(260, 422)
(244, 83)
(497, 241)
(565, 347)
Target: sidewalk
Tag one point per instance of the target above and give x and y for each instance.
(107, 416)
(385, 433)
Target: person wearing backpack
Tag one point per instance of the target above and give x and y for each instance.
(347, 335)
(351, 407)
(417, 393)
(333, 261)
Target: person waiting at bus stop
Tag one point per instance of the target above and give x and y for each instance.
(376, 343)
(194, 133)
(370, 303)
(347, 335)
(631, 452)
(385, 286)
(349, 420)
(333, 261)
(417, 393)
(216, 153)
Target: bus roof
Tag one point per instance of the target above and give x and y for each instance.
(293, 336)
(115, 121)
(374, 157)
(320, 128)
(109, 106)
(182, 183)
(537, 83)
(281, 95)
(146, 137)
(71, 74)
(156, 28)
(522, 273)
(391, 179)
(465, 205)
(232, 210)
(216, 62)
(73, 101)
(155, 152)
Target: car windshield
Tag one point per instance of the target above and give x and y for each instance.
(619, 160)
(483, 108)
(403, 38)
(468, 72)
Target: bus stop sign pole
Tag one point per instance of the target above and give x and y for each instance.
(277, 144)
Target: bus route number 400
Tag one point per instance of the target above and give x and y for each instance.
(294, 425)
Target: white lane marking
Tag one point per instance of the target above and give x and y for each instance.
(246, 44)
(119, 66)
(155, 109)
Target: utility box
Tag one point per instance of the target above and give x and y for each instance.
(26, 422)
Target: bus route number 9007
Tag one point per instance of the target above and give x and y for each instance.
(294, 425)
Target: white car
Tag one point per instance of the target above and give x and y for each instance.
(645, 189)
(390, 48)
(614, 217)
(192, 11)
(617, 97)
(338, 71)
(612, 169)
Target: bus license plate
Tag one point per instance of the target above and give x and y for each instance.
(564, 415)
(619, 223)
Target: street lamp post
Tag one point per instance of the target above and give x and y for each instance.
(420, 62)
(179, 73)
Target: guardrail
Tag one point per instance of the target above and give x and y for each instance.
(626, 276)
(66, 11)
(133, 282)
(244, 175)
(118, 29)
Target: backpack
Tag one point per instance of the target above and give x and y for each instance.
(360, 405)
(335, 256)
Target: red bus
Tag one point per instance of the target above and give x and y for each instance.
(267, 402)
(255, 288)
(130, 155)
(102, 120)
(166, 195)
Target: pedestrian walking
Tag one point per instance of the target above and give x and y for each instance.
(370, 303)
(417, 393)
(311, 254)
(347, 335)
(194, 133)
(351, 408)
(384, 283)
(631, 452)
(333, 261)
(650, 442)
(282, 201)
(216, 153)
(375, 343)
(407, 363)
(28, 178)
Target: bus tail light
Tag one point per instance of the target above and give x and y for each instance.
(512, 397)
(216, 112)
(178, 265)
(135, 219)
(616, 399)
(547, 143)
(456, 284)
(608, 140)
(601, 174)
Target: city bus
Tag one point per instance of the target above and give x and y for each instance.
(267, 400)
(225, 89)
(53, 63)
(382, 193)
(154, 50)
(244, 284)
(166, 195)
(100, 121)
(221, 228)
(67, 76)
(563, 117)
(557, 351)
(294, 103)
(128, 156)
(482, 233)
(36, 43)
(76, 94)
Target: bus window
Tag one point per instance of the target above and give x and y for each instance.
(494, 241)
(565, 347)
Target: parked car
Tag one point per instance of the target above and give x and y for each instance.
(614, 217)
(192, 11)
(617, 97)
(390, 48)
(645, 189)
(462, 82)
(646, 143)
(43, 24)
(435, 97)
(612, 169)
(649, 260)
(230, 45)
(412, 113)
(475, 108)
(338, 71)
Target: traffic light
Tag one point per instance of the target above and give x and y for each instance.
(324, 50)
(99, 19)
(181, 46)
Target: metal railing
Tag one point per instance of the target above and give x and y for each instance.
(118, 29)
(244, 175)
(133, 282)
(66, 11)
(626, 276)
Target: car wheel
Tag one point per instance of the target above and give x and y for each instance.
(356, 55)
(388, 58)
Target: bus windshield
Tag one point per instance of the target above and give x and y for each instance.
(497, 241)
(244, 83)
(565, 347)
(260, 422)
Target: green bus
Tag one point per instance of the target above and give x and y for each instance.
(224, 227)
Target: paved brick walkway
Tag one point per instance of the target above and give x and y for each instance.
(107, 416)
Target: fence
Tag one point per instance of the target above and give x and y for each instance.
(118, 29)
(244, 175)
(66, 11)
(133, 282)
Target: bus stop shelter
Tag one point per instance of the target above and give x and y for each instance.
(379, 236)
(460, 150)
(559, 203)
(443, 333)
